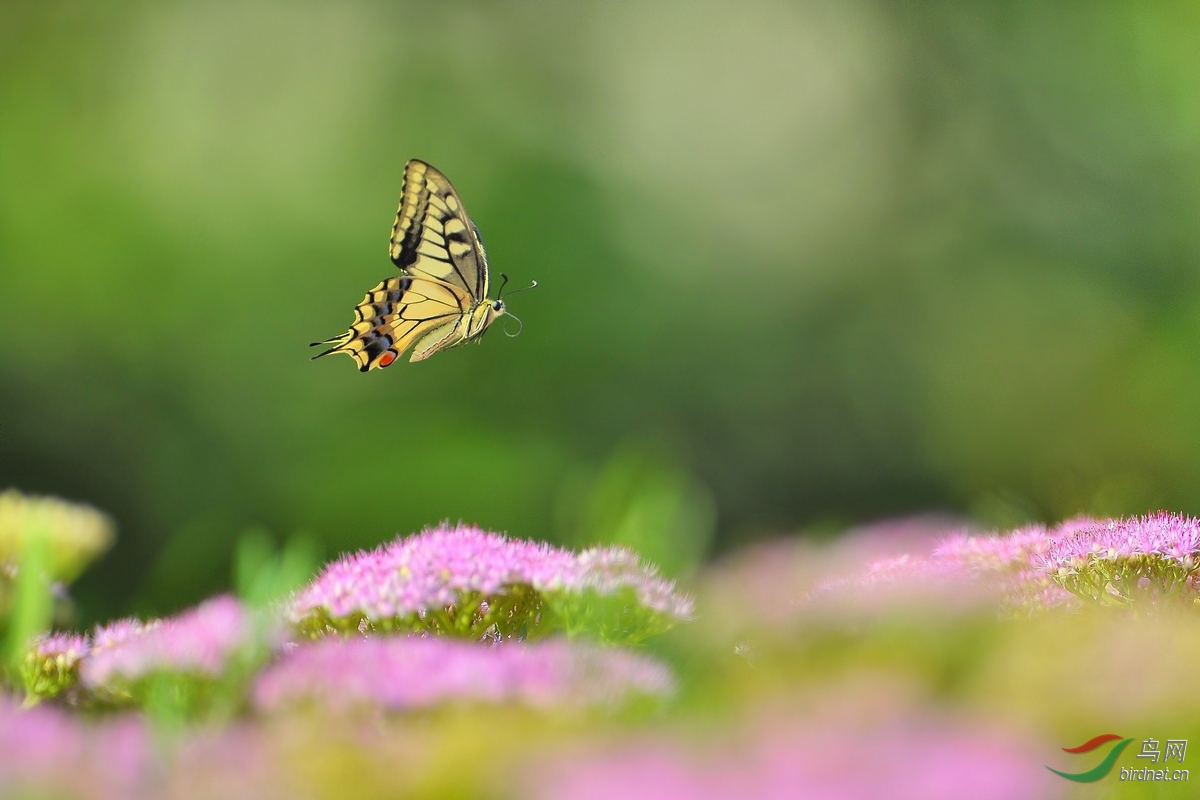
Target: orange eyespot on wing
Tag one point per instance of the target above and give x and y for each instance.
(387, 359)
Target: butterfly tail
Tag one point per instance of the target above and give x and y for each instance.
(338, 343)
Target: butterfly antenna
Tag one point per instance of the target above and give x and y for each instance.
(520, 326)
(523, 289)
(503, 283)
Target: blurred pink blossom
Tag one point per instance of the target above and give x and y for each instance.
(121, 631)
(45, 752)
(771, 585)
(965, 571)
(1030, 591)
(400, 673)
(200, 641)
(608, 570)
(243, 761)
(1016, 550)
(995, 552)
(897, 760)
(904, 584)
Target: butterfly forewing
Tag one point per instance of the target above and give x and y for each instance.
(433, 236)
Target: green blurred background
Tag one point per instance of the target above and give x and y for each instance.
(801, 264)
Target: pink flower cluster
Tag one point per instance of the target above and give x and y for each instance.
(464, 581)
(913, 760)
(199, 641)
(1170, 536)
(403, 673)
(1122, 561)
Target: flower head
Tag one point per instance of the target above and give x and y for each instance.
(467, 582)
(66, 648)
(51, 665)
(403, 673)
(76, 533)
(1120, 562)
(200, 641)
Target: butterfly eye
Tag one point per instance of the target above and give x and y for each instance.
(498, 306)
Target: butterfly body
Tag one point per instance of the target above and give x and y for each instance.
(440, 298)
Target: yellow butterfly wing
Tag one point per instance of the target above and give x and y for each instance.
(439, 299)
(433, 236)
(402, 312)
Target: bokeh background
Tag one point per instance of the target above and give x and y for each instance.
(801, 264)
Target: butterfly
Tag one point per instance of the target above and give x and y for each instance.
(440, 298)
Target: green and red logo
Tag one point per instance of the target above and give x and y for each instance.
(1104, 767)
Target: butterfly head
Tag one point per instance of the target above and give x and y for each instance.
(498, 308)
(481, 317)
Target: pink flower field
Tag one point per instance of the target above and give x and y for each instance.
(458, 662)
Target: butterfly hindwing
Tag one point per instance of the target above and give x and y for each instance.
(433, 236)
(397, 313)
(442, 337)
